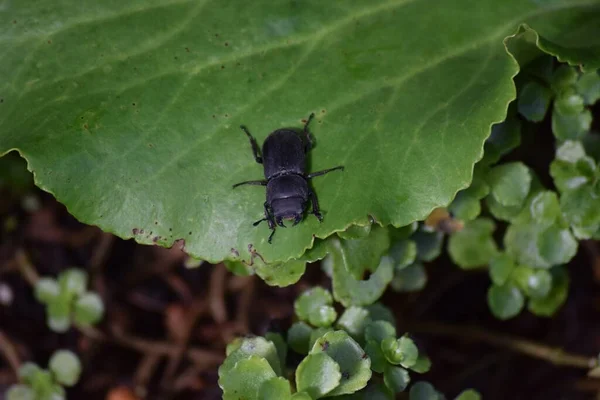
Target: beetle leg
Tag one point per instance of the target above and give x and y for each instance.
(280, 222)
(309, 142)
(255, 149)
(261, 183)
(315, 206)
(325, 171)
(297, 219)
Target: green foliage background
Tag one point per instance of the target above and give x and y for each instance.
(129, 111)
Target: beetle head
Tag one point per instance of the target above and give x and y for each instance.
(291, 208)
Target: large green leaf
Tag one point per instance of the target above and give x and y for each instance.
(128, 111)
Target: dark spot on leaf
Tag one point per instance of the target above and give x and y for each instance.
(190, 232)
(177, 58)
(216, 35)
(150, 234)
(345, 375)
(364, 356)
(214, 116)
(155, 222)
(226, 115)
(325, 345)
(226, 44)
(238, 64)
(150, 145)
(133, 104)
(81, 117)
(170, 229)
(1, 100)
(235, 252)
(187, 49)
(323, 111)
(155, 239)
(141, 231)
(14, 21)
(49, 41)
(85, 126)
(222, 67)
(135, 231)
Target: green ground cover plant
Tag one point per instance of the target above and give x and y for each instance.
(134, 126)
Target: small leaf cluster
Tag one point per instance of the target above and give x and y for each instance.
(64, 369)
(68, 301)
(388, 255)
(356, 356)
(543, 224)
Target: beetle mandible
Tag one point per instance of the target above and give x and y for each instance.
(284, 161)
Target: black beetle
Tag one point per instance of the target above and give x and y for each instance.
(284, 161)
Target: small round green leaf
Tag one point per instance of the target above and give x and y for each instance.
(539, 284)
(66, 367)
(310, 301)
(564, 77)
(465, 206)
(403, 252)
(322, 316)
(429, 244)
(501, 265)
(281, 274)
(378, 360)
(569, 102)
(409, 279)
(571, 126)
(538, 246)
(510, 183)
(89, 309)
(505, 301)
(396, 378)
(580, 208)
(73, 281)
(422, 365)
(557, 246)
(379, 330)
(251, 347)
(280, 346)
(468, 394)
(298, 337)
(534, 100)
(354, 320)
(588, 86)
(46, 290)
(27, 371)
(423, 391)
(246, 378)
(545, 208)
(379, 312)
(59, 313)
(20, 392)
(277, 388)
(473, 246)
(317, 375)
(548, 305)
(350, 291)
(402, 351)
(355, 365)
(505, 137)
